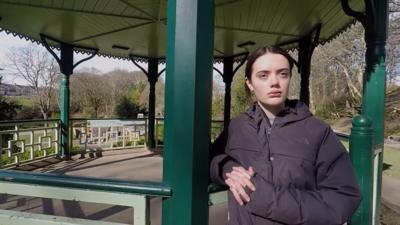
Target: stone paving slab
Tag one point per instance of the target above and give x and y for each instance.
(391, 192)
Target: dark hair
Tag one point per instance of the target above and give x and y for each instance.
(262, 51)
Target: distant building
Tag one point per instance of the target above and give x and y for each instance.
(15, 90)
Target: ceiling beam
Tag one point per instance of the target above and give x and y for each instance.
(78, 11)
(112, 31)
(139, 9)
(227, 3)
(256, 31)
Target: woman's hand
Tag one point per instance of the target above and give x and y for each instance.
(237, 180)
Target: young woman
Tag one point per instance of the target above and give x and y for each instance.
(281, 164)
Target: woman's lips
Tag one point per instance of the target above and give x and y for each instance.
(274, 94)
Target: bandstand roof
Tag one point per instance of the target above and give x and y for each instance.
(119, 28)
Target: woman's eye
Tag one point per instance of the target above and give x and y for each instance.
(262, 75)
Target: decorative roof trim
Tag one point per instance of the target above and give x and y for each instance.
(339, 32)
(144, 59)
(236, 58)
(137, 58)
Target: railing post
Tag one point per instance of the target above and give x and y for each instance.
(146, 130)
(123, 136)
(141, 211)
(156, 132)
(361, 154)
(32, 138)
(57, 135)
(16, 137)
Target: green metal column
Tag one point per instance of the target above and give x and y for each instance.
(375, 21)
(227, 78)
(187, 111)
(66, 68)
(152, 78)
(305, 53)
(373, 104)
(361, 142)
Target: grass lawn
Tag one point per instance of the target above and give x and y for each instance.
(391, 161)
(23, 100)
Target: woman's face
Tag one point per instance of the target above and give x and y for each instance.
(270, 79)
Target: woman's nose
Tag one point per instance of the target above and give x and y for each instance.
(273, 80)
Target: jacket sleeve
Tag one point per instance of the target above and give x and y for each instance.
(335, 200)
(220, 162)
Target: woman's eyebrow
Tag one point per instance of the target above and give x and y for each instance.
(278, 70)
(283, 70)
(263, 71)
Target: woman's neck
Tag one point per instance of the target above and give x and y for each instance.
(271, 111)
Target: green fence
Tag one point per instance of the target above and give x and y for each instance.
(135, 194)
(107, 134)
(25, 141)
(31, 136)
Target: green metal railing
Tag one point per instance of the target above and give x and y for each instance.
(24, 141)
(217, 126)
(23, 137)
(108, 134)
(159, 132)
(135, 194)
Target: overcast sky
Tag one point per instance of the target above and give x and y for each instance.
(8, 41)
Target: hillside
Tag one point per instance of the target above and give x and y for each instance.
(392, 120)
(15, 90)
(392, 116)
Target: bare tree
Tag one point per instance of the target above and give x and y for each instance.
(392, 44)
(91, 91)
(394, 6)
(39, 70)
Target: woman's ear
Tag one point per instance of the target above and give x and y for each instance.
(249, 85)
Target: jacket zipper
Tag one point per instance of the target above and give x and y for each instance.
(270, 158)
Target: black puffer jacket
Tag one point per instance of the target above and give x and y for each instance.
(303, 174)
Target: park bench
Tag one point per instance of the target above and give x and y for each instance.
(92, 150)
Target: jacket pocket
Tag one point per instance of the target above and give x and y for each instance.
(244, 155)
(292, 170)
(255, 158)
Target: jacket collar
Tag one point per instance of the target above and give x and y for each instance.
(294, 110)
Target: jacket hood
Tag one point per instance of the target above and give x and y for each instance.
(294, 110)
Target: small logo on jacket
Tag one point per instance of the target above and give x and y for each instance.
(302, 140)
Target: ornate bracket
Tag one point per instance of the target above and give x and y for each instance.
(367, 21)
(241, 62)
(44, 39)
(132, 58)
(358, 15)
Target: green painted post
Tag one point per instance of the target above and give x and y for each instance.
(152, 78)
(66, 68)
(304, 68)
(361, 142)
(190, 37)
(374, 90)
(227, 78)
